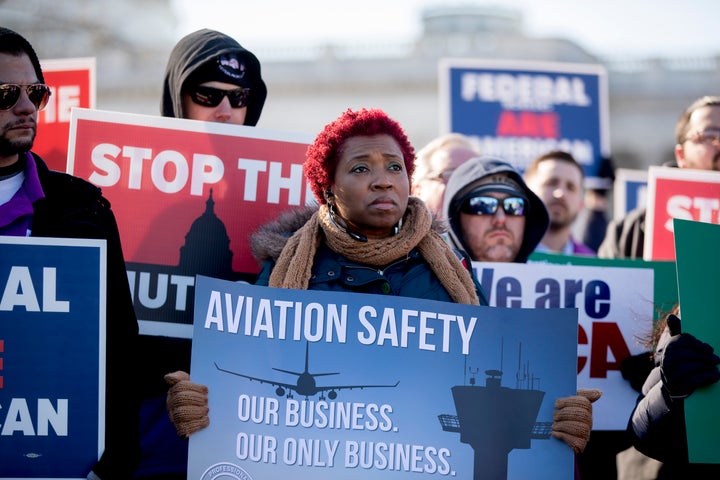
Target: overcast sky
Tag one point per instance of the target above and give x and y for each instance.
(606, 27)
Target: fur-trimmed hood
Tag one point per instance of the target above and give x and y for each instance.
(268, 241)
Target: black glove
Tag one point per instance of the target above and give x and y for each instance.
(636, 368)
(687, 363)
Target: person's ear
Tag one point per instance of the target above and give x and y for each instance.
(680, 155)
(416, 188)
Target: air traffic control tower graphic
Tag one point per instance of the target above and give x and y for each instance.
(494, 419)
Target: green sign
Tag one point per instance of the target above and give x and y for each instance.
(698, 261)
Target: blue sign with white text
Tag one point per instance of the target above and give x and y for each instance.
(520, 110)
(630, 191)
(329, 385)
(52, 343)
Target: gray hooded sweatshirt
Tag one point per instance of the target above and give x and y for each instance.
(195, 50)
(465, 179)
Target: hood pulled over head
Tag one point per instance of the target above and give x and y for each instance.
(484, 174)
(207, 55)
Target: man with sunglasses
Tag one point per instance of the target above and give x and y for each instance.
(697, 135)
(209, 77)
(35, 201)
(493, 215)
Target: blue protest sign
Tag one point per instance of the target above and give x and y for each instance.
(52, 347)
(629, 191)
(308, 384)
(519, 110)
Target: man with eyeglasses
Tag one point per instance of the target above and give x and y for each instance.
(493, 215)
(697, 146)
(38, 202)
(209, 77)
(435, 163)
(697, 135)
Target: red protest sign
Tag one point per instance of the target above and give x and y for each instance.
(186, 195)
(681, 193)
(72, 82)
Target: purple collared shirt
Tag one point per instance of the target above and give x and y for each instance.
(571, 248)
(582, 249)
(16, 214)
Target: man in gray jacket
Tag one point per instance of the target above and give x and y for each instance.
(493, 215)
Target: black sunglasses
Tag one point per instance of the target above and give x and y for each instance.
(481, 205)
(211, 97)
(38, 94)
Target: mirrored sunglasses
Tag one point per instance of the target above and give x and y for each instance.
(38, 94)
(482, 205)
(211, 97)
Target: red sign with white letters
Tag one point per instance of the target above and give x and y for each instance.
(680, 193)
(186, 195)
(72, 82)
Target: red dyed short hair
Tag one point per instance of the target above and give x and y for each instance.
(322, 155)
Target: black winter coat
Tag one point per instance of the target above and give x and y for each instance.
(74, 208)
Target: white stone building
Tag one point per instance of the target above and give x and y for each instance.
(310, 86)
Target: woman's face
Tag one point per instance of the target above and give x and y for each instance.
(371, 185)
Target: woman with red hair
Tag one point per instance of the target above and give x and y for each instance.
(369, 235)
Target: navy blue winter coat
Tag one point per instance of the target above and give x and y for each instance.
(409, 276)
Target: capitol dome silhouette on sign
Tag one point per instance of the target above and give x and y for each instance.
(207, 246)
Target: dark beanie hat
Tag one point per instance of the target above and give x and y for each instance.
(227, 67)
(207, 55)
(13, 43)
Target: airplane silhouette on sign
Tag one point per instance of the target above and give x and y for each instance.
(306, 385)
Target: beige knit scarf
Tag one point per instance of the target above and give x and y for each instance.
(294, 266)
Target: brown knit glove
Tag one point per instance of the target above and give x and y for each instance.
(187, 404)
(573, 418)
